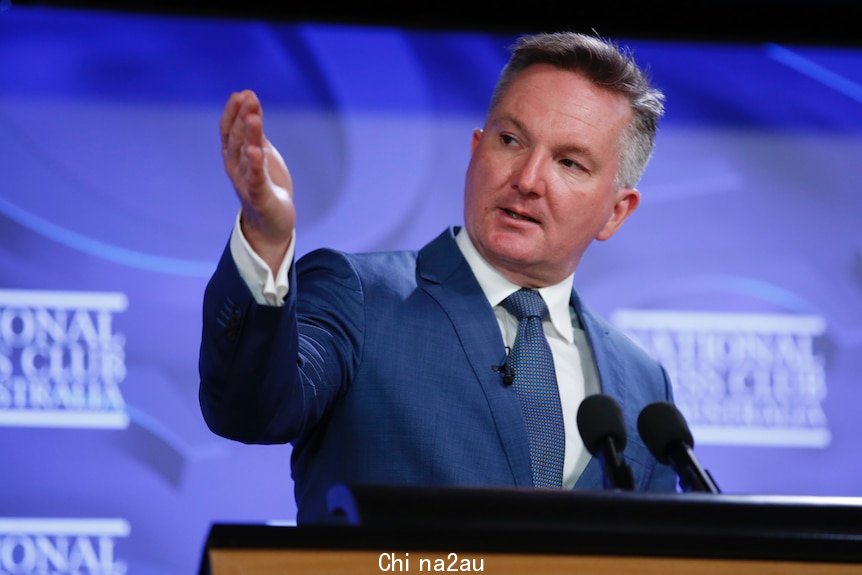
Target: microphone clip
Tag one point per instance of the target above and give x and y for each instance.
(505, 370)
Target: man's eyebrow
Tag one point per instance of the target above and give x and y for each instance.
(516, 123)
(569, 148)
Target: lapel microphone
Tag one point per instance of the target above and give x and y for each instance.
(505, 370)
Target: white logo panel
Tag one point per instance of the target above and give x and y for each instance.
(61, 363)
(61, 546)
(740, 378)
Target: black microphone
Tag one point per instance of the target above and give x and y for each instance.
(603, 429)
(665, 431)
(506, 370)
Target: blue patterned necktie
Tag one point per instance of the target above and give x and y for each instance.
(535, 383)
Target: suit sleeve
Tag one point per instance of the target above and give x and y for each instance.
(269, 374)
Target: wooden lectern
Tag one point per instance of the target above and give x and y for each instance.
(507, 531)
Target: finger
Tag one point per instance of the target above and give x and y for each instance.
(252, 156)
(252, 127)
(253, 172)
(228, 117)
(239, 135)
(231, 136)
(239, 106)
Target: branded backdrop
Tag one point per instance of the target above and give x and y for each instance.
(741, 271)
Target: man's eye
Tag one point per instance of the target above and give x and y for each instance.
(506, 139)
(573, 165)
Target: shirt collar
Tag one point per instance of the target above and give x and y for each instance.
(497, 288)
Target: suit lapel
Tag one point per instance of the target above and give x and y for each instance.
(605, 353)
(612, 381)
(446, 277)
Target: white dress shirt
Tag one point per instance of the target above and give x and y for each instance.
(575, 378)
(575, 368)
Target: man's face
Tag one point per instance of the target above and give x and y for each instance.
(540, 184)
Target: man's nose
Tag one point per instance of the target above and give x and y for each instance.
(530, 175)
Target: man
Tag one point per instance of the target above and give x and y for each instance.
(380, 368)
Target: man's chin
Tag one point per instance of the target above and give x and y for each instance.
(515, 245)
(518, 259)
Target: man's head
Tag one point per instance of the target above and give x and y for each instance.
(605, 64)
(569, 132)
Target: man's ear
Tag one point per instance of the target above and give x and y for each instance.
(627, 201)
(477, 135)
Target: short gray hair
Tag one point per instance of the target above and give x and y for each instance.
(608, 65)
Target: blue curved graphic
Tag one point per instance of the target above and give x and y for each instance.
(816, 72)
(102, 250)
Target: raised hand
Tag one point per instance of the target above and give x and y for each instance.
(259, 176)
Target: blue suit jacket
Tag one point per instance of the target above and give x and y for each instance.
(378, 369)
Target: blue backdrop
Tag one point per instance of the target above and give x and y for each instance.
(742, 269)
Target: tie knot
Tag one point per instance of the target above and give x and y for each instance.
(525, 303)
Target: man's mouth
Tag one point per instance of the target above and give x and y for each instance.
(517, 216)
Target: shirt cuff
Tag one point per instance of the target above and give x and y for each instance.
(266, 288)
